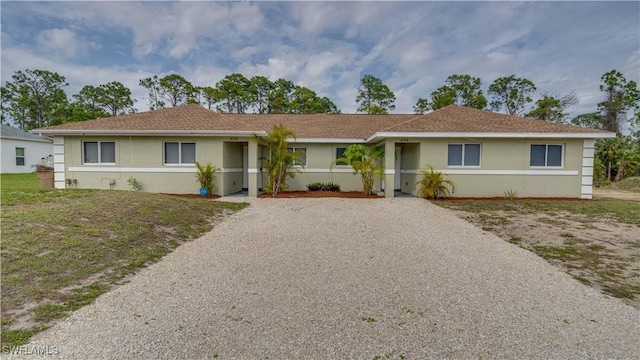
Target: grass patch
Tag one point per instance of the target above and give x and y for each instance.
(623, 292)
(28, 181)
(515, 240)
(628, 184)
(61, 249)
(570, 240)
(624, 211)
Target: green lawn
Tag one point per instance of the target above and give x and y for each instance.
(27, 181)
(63, 248)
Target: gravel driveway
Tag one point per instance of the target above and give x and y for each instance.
(349, 279)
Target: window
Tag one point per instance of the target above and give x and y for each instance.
(302, 155)
(339, 154)
(464, 155)
(96, 152)
(19, 156)
(179, 153)
(546, 155)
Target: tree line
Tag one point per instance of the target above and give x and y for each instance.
(36, 98)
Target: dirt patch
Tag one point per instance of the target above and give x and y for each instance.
(320, 194)
(603, 253)
(616, 194)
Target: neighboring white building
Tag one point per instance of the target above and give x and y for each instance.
(21, 150)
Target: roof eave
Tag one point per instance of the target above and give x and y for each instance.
(44, 140)
(328, 140)
(60, 132)
(497, 135)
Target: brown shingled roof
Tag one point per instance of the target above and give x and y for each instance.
(451, 119)
(186, 117)
(462, 119)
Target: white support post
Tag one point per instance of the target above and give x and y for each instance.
(588, 150)
(59, 176)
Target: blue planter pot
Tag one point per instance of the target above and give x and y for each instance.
(203, 192)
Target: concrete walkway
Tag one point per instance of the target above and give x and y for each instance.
(348, 279)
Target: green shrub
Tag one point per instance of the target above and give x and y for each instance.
(433, 184)
(628, 184)
(206, 176)
(331, 187)
(135, 184)
(317, 186)
(279, 160)
(364, 160)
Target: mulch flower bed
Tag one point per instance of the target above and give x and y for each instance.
(321, 194)
(295, 194)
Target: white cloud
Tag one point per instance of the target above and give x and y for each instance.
(328, 46)
(61, 42)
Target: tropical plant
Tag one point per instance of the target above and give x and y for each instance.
(333, 187)
(433, 184)
(364, 160)
(620, 97)
(279, 161)
(135, 184)
(616, 159)
(318, 186)
(511, 194)
(206, 177)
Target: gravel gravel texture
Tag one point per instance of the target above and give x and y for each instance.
(348, 279)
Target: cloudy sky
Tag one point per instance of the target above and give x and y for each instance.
(327, 46)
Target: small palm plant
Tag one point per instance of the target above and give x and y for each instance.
(433, 184)
(206, 176)
(280, 159)
(364, 160)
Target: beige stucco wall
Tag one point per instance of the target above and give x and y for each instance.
(140, 153)
(508, 155)
(142, 158)
(319, 169)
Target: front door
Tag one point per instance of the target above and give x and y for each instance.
(397, 178)
(245, 168)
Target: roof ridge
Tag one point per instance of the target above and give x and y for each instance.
(407, 121)
(225, 115)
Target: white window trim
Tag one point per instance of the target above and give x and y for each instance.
(99, 163)
(180, 163)
(294, 148)
(464, 145)
(24, 156)
(546, 156)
